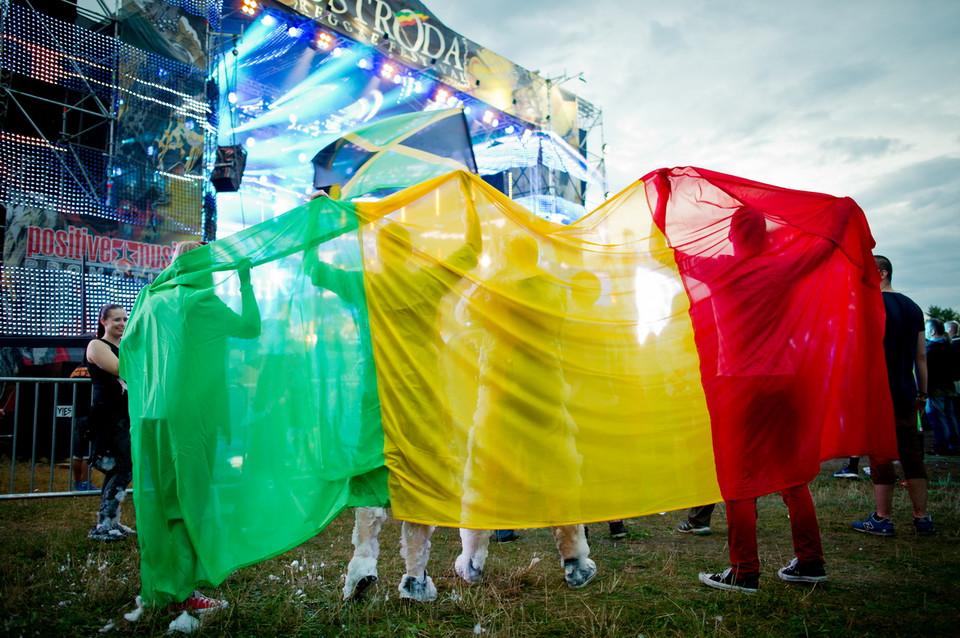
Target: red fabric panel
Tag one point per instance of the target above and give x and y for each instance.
(788, 320)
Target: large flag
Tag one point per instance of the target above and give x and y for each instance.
(697, 337)
(395, 153)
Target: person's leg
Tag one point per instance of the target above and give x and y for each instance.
(910, 446)
(742, 538)
(574, 551)
(475, 545)
(118, 472)
(880, 522)
(953, 426)
(362, 570)
(936, 415)
(700, 516)
(744, 572)
(415, 549)
(804, 526)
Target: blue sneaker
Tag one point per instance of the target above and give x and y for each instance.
(923, 525)
(85, 486)
(873, 524)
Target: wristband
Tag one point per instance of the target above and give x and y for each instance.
(922, 395)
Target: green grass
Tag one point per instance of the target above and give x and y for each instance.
(55, 582)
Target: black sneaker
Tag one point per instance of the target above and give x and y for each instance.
(726, 580)
(618, 529)
(686, 527)
(505, 536)
(923, 525)
(797, 573)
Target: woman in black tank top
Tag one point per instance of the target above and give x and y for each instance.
(110, 422)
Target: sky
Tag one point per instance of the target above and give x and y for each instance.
(856, 98)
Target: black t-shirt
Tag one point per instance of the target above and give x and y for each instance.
(904, 324)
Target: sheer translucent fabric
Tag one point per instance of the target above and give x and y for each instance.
(508, 372)
(784, 298)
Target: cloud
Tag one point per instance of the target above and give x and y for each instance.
(664, 38)
(859, 148)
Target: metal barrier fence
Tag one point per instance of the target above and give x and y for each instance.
(46, 415)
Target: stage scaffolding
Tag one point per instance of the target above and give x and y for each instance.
(101, 156)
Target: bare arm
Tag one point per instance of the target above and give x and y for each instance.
(249, 324)
(920, 361)
(100, 354)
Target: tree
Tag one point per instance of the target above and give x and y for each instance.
(943, 314)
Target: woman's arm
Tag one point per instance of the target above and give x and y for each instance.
(100, 354)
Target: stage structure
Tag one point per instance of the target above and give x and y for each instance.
(112, 112)
(295, 75)
(105, 119)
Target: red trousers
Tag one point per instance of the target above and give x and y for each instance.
(742, 531)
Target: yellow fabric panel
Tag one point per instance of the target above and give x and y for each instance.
(546, 375)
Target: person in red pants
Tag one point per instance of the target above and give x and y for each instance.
(757, 389)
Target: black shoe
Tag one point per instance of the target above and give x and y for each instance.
(797, 573)
(504, 536)
(362, 586)
(725, 580)
(617, 529)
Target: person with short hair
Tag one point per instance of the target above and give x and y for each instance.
(906, 356)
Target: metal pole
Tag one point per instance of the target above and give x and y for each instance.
(16, 422)
(33, 444)
(53, 431)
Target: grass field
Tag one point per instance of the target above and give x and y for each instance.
(54, 582)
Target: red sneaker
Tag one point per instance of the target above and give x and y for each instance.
(200, 604)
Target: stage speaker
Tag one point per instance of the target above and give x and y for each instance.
(228, 169)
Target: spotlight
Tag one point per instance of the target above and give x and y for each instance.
(363, 63)
(509, 130)
(387, 71)
(442, 95)
(488, 118)
(324, 40)
(269, 20)
(249, 7)
(294, 32)
(338, 51)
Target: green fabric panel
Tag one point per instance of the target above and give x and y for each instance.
(254, 409)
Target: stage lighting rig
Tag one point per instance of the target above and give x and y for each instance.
(250, 7)
(324, 40)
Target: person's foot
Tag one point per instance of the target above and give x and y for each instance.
(923, 525)
(358, 590)
(797, 573)
(579, 572)
(504, 536)
(106, 535)
(618, 529)
(85, 486)
(467, 570)
(875, 525)
(727, 581)
(846, 472)
(421, 590)
(686, 527)
(200, 604)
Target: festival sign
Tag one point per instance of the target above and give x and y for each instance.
(407, 31)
